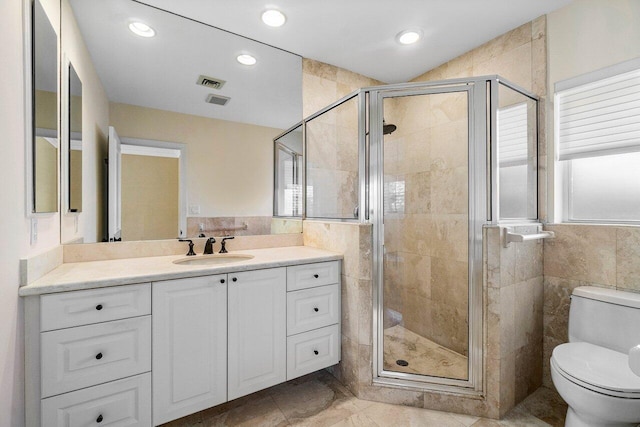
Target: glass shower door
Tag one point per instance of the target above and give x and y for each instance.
(424, 303)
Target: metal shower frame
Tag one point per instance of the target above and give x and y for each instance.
(483, 103)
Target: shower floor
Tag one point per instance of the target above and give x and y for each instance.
(425, 357)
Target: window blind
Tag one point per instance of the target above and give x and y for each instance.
(512, 135)
(600, 117)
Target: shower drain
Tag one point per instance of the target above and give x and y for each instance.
(402, 362)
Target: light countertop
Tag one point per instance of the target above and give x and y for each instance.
(98, 274)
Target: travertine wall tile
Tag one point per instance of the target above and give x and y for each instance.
(628, 258)
(365, 312)
(508, 383)
(502, 44)
(350, 307)
(582, 252)
(319, 69)
(514, 318)
(394, 396)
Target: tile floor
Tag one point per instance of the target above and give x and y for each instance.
(319, 400)
(424, 356)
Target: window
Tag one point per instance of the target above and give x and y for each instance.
(517, 155)
(597, 121)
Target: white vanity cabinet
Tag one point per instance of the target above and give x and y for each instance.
(146, 354)
(88, 357)
(189, 346)
(257, 330)
(313, 317)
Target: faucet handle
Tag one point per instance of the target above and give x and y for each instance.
(223, 242)
(191, 252)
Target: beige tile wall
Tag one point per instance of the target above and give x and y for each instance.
(229, 226)
(584, 255)
(332, 139)
(513, 346)
(355, 242)
(515, 299)
(426, 238)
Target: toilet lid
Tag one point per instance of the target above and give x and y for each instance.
(599, 366)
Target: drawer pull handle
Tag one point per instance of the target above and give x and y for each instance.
(315, 352)
(222, 280)
(316, 276)
(235, 279)
(99, 307)
(99, 356)
(315, 309)
(99, 419)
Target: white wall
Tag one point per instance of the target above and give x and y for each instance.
(585, 36)
(591, 34)
(229, 164)
(11, 214)
(95, 126)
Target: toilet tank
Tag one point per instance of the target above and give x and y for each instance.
(605, 317)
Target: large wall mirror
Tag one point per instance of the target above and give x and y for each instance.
(177, 135)
(44, 147)
(74, 142)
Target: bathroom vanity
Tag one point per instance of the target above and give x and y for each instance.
(145, 341)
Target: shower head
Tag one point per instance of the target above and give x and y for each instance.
(388, 129)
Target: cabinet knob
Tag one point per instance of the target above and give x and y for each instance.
(99, 356)
(316, 276)
(99, 307)
(99, 419)
(315, 309)
(222, 280)
(315, 352)
(235, 279)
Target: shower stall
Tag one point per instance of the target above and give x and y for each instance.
(428, 165)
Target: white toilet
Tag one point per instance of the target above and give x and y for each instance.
(591, 372)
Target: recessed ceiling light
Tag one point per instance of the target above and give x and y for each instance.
(409, 36)
(142, 29)
(273, 18)
(246, 59)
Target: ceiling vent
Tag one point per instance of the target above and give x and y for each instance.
(217, 99)
(210, 82)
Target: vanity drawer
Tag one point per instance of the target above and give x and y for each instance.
(80, 357)
(312, 350)
(67, 309)
(120, 403)
(312, 275)
(312, 308)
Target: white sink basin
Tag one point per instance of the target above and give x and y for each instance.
(215, 259)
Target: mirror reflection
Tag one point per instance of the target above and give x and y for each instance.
(288, 176)
(75, 141)
(180, 90)
(45, 112)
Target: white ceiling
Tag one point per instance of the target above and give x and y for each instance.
(161, 72)
(359, 35)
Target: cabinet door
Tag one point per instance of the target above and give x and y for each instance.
(189, 346)
(257, 330)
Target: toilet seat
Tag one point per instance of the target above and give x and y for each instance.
(596, 368)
